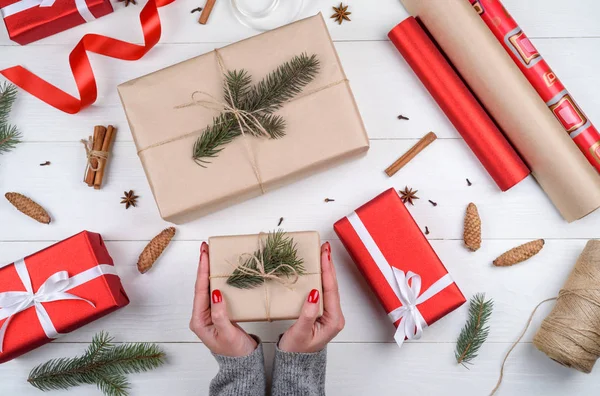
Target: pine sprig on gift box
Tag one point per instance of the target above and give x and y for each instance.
(278, 249)
(103, 364)
(476, 331)
(9, 134)
(260, 101)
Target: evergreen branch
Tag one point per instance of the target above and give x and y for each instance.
(279, 249)
(103, 364)
(475, 331)
(8, 94)
(9, 137)
(261, 100)
(283, 84)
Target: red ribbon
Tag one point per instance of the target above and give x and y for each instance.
(80, 63)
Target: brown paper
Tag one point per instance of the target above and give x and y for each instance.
(322, 129)
(250, 305)
(557, 164)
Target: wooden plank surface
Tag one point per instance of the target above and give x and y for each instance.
(566, 33)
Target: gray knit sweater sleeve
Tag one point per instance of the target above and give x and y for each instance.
(299, 374)
(240, 375)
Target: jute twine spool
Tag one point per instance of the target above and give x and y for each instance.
(570, 334)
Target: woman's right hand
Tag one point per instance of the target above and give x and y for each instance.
(211, 323)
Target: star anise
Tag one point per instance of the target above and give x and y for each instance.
(127, 2)
(130, 199)
(408, 195)
(341, 14)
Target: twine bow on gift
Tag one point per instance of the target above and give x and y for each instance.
(24, 5)
(55, 288)
(407, 287)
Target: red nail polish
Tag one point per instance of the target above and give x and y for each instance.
(204, 247)
(327, 246)
(313, 297)
(216, 296)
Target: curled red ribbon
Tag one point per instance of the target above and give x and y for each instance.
(80, 63)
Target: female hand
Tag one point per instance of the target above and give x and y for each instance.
(310, 334)
(212, 324)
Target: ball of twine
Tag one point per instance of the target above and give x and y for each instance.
(570, 335)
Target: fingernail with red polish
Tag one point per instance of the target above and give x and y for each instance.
(313, 297)
(327, 246)
(216, 296)
(204, 247)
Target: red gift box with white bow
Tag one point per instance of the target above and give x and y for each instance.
(55, 291)
(404, 272)
(31, 20)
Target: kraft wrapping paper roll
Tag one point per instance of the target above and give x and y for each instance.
(455, 99)
(560, 168)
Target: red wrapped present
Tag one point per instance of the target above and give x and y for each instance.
(30, 20)
(55, 291)
(399, 264)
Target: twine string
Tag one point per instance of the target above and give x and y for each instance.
(91, 155)
(570, 334)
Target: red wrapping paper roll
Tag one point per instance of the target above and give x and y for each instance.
(541, 76)
(461, 107)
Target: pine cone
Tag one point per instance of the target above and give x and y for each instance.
(472, 231)
(519, 253)
(28, 207)
(154, 249)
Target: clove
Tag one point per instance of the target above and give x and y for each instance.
(196, 10)
(45, 163)
(401, 117)
(329, 200)
(433, 203)
(426, 230)
(280, 221)
(469, 183)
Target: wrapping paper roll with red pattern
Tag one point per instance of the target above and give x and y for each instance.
(541, 76)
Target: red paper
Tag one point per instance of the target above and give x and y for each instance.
(36, 23)
(405, 247)
(469, 118)
(541, 77)
(74, 255)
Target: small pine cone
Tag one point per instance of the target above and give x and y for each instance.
(472, 231)
(28, 207)
(154, 249)
(519, 253)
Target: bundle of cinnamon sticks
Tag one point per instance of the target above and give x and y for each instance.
(99, 154)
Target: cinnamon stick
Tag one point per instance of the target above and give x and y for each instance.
(102, 162)
(410, 154)
(99, 132)
(206, 11)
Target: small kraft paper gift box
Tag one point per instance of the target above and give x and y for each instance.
(31, 20)
(267, 276)
(55, 291)
(177, 115)
(399, 264)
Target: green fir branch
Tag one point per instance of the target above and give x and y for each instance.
(9, 134)
(476, 331)
(278, 249)
(8, 95)
(9, 137)
(260, 100)
(103, 364)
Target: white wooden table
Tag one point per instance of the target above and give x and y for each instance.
(363, 359)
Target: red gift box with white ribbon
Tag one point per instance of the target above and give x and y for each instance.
(404, 272)
(55, 291)
(31, 20)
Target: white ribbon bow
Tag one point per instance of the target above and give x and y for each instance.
(23, 5)
(407, 287)
(53, 289)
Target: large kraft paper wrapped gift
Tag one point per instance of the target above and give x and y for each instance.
(323, 128)
(272, 300)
